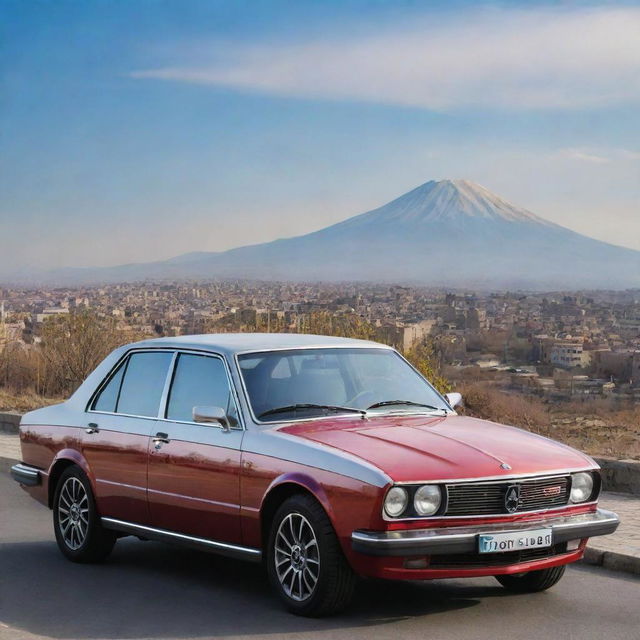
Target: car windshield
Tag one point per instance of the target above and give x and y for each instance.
(303, 383)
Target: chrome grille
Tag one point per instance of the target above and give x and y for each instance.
(486, 498)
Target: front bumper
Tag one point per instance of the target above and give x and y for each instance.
(26, 475)
(452, 540)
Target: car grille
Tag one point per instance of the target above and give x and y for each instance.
(479, 560)
(487, 498)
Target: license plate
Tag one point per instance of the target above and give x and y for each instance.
(514, 541)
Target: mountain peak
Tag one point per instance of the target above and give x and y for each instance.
(446, 233)
(454, 200)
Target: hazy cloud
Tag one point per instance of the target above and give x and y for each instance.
(599, 156)
(585, 156)
(553, 58)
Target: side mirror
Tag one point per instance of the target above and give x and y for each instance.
(211, 415)
(454, 398)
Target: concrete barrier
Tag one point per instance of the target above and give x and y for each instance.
(9, 422)
(622, 476)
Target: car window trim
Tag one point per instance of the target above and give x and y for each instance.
(175, 351)
(125, 366)
(123, 363)
(169, 383)
(89, 408)
(104, 383)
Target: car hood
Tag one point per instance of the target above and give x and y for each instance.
(416, 448)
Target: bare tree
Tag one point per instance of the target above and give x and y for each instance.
(20, 367)
(73, 345)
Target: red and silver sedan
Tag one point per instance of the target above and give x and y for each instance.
(325, 458)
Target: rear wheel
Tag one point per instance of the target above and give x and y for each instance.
(305, 563)
(76, 522)
(532, 581)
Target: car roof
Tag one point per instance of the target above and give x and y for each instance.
(232, 343)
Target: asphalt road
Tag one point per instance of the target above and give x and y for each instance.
(149, 590)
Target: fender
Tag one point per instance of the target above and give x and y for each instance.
(73, 455)
(308, 483)
(344, 520)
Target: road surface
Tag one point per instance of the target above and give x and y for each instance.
(149, 590)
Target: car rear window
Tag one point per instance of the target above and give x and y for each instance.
(136, 386)
(143, 383)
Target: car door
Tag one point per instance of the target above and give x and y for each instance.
(121, 417)
(194, 468)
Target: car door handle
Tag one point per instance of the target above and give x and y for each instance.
(160, 439)
(92, 427)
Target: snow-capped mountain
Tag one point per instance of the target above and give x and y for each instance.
(452, 233)
(445, 200)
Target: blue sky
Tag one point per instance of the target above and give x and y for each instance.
(139, 130)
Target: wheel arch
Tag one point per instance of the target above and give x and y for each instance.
(284, 487)
(63, 460)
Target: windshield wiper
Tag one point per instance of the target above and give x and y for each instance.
(295, 407)
(410, 403)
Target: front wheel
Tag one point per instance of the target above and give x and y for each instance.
(532, 581)
(305, 563)
(76, 522)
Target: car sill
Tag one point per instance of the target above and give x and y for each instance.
(204, 544)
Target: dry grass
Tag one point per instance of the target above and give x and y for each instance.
(612, 433)
(595, 427)
(483, 401)
(22, 402)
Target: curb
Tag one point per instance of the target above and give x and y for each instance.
(612, 560)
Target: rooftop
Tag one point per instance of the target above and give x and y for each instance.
(231, 343)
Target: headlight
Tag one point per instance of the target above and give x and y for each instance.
(427, 499)
(581, 487)
(396, 501)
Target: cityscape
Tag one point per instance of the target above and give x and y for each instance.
(556, 345)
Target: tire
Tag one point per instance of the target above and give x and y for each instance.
(305, 563)
(76, 522)
(532, 581)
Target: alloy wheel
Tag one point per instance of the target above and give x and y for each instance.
(73, 513)
(297, 557)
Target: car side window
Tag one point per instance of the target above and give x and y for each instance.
(199, 381)
(143, 383)
(108, 397)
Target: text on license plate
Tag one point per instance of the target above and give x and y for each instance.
(514, 541)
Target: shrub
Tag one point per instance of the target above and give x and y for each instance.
(23, 402)
(483, 401)
(423, 357)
